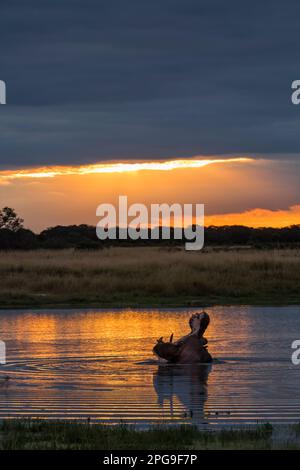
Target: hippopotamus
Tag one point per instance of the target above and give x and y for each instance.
(189, 349)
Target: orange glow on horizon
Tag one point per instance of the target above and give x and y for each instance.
(258, 218)
(235, 191)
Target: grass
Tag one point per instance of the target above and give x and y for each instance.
(148, 276)
(34, 435)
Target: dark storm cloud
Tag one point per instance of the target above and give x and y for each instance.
(93, 80)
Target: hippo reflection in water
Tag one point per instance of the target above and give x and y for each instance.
(189, 349)
(182, 391)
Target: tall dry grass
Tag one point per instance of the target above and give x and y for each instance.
(153, 275)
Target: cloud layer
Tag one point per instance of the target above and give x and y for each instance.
(94, 80)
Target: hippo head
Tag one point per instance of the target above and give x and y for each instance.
(198, 323)
(190, 348)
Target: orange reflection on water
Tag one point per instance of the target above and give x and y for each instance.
(78, 364)
(117, 332)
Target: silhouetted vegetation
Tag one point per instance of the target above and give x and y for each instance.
(10, 220)
(20, 240)
(73, 236)
(14, 237)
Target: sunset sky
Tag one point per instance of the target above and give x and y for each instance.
(163, 101)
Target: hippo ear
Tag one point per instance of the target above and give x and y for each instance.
(160, 340)
(168, 351)
(171, 337)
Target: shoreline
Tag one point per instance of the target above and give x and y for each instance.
(157, 304)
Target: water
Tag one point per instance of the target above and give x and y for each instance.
(98, 364)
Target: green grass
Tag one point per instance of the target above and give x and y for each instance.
(148, 277)
(59, 435)
(26, 434)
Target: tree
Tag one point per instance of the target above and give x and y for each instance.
(10, 220)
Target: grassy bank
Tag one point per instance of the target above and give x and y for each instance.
(148, 276)
(61, 435)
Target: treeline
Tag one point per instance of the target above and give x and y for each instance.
(84, 237)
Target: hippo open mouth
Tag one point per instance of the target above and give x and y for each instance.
(191, 348)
